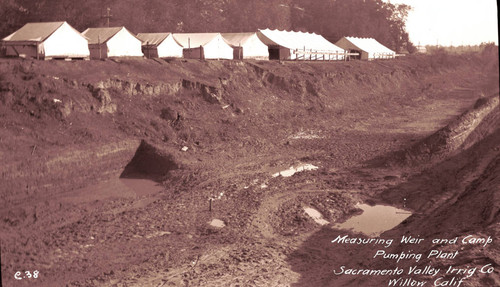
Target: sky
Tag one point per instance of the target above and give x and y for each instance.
(451, 22)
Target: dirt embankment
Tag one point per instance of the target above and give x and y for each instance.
(458, 135)
(212, 129)
(54, 108)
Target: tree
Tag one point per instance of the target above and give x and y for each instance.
(335, 19)
(11, 14)
(399, 13)
(246, 16)
(331, 18)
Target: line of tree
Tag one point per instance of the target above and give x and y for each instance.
(330, 18)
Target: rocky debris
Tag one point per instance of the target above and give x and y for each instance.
(217, 223)
(211, 94)
(170, 115)
(106, 105)
(316, 216)
(131, 88)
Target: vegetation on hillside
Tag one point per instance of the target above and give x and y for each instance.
(333, 19)
(464, 49)
(361, 18)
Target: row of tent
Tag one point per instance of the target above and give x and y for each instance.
(54, 40)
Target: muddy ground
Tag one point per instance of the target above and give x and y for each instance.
(205, 137)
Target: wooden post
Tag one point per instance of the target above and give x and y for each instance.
(99, 45)
(37, 52)
(210, 204)
(189, 43)
(108, 15)
(1, 264)
(239, 52)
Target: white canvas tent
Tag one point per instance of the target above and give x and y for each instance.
(204, 46)
(291, 45)
(112, 42)
(247, 46)
(368, 48)
(421, 49)
(49, 40)
(160, 45)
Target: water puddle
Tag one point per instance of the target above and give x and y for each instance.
(316, 216)
(375, 219)
(142, 186)
(158, 234)
(293, 170)
(113, 188)
(308, 135)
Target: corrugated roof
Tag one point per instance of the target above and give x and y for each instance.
(236, 39)
(194, 40)
(100, 35)
(297, 40)
(154, 39)
(369, 45)
(34, 31)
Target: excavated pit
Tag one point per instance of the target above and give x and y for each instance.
(146, 170)
(149, 163)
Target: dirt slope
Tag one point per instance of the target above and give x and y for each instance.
(220, 129)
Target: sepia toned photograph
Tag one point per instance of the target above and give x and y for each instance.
(249, 143)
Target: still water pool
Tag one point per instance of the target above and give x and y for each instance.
(375, 219)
